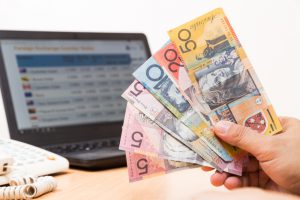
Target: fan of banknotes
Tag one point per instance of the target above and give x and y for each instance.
(199, 77)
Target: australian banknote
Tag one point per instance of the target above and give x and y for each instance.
(201, 38)
(142, 135)
(169, 58)
(142, 166)
(201, 76)
(226, 85)
(144, 101)
(153, 77)
(140, 97)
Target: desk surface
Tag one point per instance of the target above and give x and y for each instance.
(113, 184)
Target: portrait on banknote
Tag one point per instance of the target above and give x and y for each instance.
(224, 80)
(176, 164)
(175, 149)
(173, 96)
(176, 126)
(168, 144)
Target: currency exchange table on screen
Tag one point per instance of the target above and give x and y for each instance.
(71, 87)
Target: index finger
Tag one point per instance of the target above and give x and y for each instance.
(206, 169)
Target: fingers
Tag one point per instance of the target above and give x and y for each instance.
(252, 165)
(230, 182)
(283, 121)
(242, 137)
(233, 182)
(206, 169)
(287, 122)
(253, 179)
(218, 178)
(263, 179)
(247, 180)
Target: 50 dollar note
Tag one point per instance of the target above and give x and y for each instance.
(226, 84)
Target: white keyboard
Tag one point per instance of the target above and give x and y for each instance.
(30, 160)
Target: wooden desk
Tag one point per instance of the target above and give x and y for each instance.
(113, 184)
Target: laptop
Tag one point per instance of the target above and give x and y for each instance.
(62, 91)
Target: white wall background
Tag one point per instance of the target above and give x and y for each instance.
(269, 30)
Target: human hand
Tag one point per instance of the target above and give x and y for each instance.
(245, 194)
(275, 163)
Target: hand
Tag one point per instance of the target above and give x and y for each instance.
(276, 161)
(245, 194)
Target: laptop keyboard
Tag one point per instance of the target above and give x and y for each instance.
(84, 146)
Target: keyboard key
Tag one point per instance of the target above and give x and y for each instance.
(104, 143)
(113, 143)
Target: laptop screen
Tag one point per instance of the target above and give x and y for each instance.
(56, 83)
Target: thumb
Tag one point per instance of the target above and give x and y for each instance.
(242, 137)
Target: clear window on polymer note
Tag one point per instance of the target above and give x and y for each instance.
(224, 80)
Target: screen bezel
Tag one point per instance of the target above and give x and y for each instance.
(66, 134)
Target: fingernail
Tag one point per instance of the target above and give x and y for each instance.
(222, 126)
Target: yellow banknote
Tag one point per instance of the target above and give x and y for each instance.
(226, 85)
(203, 37)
